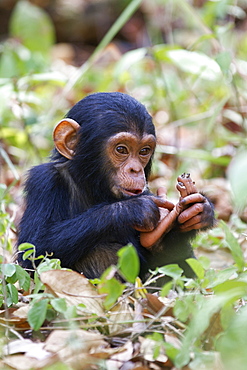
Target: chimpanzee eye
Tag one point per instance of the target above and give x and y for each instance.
(122, 149)
(145, 151)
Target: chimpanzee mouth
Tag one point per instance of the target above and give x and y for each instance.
(132, 191)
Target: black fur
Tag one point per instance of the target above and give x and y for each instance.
(70, 210)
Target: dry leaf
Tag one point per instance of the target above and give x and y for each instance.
(74, 347)
(147, 350)
(75, 288)
(126, 353)
(173, 339)
(21, 312)
(139, 325)
(22, 362)
(74, 339)
(154, 304)
(26, 346)
(17, 317)
(119, 317)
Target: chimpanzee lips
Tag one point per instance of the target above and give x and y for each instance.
(132, 191)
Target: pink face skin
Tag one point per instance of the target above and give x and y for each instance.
(129, 154)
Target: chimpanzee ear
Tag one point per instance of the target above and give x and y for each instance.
(65, 137)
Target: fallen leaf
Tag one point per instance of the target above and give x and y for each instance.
(75, 288)
(74, 347)
(125, 354)
(120, 317)
(173, 339)
(139, 325)
(155, 304)
(31, 349)
(17, 317)
(74, 339)
(147, 349)
(22, 362)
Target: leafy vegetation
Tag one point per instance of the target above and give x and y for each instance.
(195, 87)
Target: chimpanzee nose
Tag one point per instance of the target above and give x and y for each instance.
(135, 168)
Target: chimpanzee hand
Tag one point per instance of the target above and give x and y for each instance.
(147, 215)
(198, 215)
(198, 212)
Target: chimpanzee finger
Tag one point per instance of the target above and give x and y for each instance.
(191, 222)
(193, 198)
(198, 226)
(164, 203)
(185, 183)
(182, 189)
(190, 212)
(161, 192)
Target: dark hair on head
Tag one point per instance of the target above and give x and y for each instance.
(112, 111)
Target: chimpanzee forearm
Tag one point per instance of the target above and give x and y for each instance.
(71, 239)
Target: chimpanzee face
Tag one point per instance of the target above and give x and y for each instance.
(128, 155)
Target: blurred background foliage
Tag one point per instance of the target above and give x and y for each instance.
(185, 60)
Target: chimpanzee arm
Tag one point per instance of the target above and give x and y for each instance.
(54, 225)
(196, 213)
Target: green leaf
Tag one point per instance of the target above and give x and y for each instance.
(204, 309)
(38, 285)
(129, 263)
(20, 275)
(8, 65)
(237, 176)
(166, 289)
(232, 343)
(196, 63)
(196, 267)
(37, 314)
(205, 360)
(128, 59)
(3, 189)
(161, 51)
(224, 59)
(8, 269)
(234, 246)
(12, 294)
(48, 264)
(71, 313)
(172, 270)
(59, 304)
(25, 246)
(112, 289)
(234, 288)
(221, 276)
(183, 309)
(23, 277)
(195, 153)
(32, 26)
(189, 61)
(50, 314)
